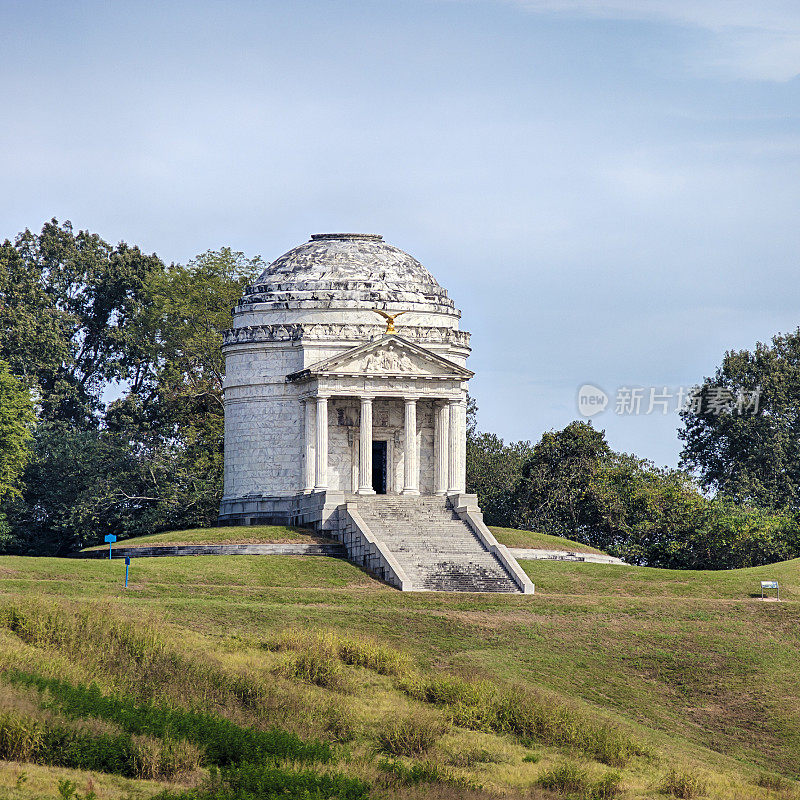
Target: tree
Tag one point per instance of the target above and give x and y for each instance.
(743, 449)
(644, 514)
(493, 471)
(173, 414)
(16, 423)
(69, 308)
(731, 535)
(553, 494)
(80, 316)
(17, 420)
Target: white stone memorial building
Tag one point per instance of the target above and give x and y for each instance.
(345, 410)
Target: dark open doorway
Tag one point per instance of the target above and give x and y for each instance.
(379, 467)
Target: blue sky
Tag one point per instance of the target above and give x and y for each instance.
(609, 190)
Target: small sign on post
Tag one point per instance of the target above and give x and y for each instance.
(771, 585)
(110, 538)
(127, 564)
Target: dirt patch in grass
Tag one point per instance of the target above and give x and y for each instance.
(5, 572)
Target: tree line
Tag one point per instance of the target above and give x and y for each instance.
(733, 503)
(111, 420)
(118, 356)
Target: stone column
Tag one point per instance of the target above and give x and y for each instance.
(322, 444)
(365, 448)
(462, 446)
(310, 450)
(457, 447)
(411, 460)
(441, 435)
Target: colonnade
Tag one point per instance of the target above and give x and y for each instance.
(450, 419)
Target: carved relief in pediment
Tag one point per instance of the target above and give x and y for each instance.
(387, 361)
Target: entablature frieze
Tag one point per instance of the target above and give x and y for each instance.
(347, 332)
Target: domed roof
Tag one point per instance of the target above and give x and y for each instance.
(347, 267)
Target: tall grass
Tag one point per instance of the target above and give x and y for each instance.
(20, 737)
(572, 780)
(48, 742)
(349, 650)
(684, 784)
(223, 741)
(146, 666)
(411, 735)
(319, 669)
(256, 782)
(526, 714)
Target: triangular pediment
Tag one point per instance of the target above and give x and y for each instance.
(389, 355)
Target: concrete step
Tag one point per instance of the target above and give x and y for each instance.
(437, 550)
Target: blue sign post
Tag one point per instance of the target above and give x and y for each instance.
(127, 564)
(110, 538)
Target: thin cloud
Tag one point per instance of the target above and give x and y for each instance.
(755, 40)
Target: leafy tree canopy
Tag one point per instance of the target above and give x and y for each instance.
(572, 484)
(16, 423)
(70, 305)
(749, 452)
(81, 317)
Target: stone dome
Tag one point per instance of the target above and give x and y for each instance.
(346, 269)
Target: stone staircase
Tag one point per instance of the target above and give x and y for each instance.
(437, 550)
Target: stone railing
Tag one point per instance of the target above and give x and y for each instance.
(466, 506)
(364, 549)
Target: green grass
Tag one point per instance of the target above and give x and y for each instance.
(692, 664)
(285, 533)
(544, 541)
(235, 534)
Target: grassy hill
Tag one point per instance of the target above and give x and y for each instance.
(285, 533)
(234, 534)
(541, 541)
(612, 680)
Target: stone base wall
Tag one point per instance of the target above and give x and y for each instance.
(316, 510)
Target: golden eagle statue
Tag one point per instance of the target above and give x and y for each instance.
(390, 318)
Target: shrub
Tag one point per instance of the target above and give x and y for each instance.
(564, 778)
(409, 736)
(68, 790)
(568, 778)
(318, 668)
(683, 784)
(773, 782)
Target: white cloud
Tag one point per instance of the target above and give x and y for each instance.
(756, 39)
